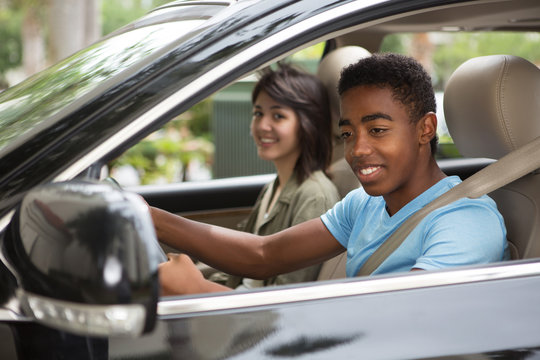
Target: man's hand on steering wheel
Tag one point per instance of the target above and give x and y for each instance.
(180, 276)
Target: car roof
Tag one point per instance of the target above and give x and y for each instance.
(470, 16)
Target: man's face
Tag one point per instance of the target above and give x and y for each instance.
(381, 143)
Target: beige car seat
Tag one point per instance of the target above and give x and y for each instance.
(491, 107)
(329, 71)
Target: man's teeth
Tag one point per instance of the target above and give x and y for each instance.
(369, 170)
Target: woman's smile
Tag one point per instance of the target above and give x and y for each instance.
(275, 130)
(267, 141)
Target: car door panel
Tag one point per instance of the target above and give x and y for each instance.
(361, 325)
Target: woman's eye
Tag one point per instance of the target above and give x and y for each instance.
(278, 116)
(257, 114)
(345, 134)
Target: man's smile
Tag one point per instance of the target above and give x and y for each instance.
(369, 170)
(367, 173)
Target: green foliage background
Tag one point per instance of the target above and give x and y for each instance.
(455, 48)
(10, 37)
(114, 14)
(164, 156)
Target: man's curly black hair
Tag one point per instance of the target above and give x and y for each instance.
(406, 78)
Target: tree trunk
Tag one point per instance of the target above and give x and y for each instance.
(422, 49)
(33, 48)
(73, 25)
(92, 30)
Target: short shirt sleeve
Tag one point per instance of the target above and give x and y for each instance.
(341, 219)
(464, 234)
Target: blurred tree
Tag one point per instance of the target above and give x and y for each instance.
(422, 48)
(31, 33)
(72, 26)
(117, 13)
(449, 50)
(36, 33)
(394, 43)
(453, 50)
(10, 38)
(167, 155)
(199, 119)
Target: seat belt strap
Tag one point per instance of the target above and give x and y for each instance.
(510, 167)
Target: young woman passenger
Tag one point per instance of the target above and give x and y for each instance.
(291, 128)
(388, 123)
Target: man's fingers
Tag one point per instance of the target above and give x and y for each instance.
(173, 256)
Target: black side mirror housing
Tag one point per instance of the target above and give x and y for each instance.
(85, 256)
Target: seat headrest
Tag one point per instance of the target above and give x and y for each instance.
(492, 105)
(329, 71)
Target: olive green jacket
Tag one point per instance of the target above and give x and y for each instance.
(296, 203)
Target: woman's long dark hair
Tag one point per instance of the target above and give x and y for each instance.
(307, 96)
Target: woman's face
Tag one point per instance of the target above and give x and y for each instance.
(274, 128)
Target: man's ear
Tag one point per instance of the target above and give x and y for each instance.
(427, 128)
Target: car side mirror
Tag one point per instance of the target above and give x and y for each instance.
(85, 256)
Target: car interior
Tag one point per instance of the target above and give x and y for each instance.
(489, 104)
(493, 119)
(487, 120)
(490, 107)
(329, 70)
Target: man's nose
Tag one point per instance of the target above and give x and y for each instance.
(361, 146)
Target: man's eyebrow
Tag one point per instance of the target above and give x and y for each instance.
(366, 118)
(376, 116)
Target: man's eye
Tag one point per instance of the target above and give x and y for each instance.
(345, 134)
(377, 131)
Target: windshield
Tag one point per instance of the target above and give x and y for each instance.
(26, 105)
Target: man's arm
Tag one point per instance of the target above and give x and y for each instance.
(245, 254)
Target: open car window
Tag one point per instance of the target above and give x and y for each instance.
(211, 141)
(202, 143)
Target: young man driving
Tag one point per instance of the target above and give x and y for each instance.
(389, 125)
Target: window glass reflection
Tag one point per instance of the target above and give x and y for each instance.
(24, 106)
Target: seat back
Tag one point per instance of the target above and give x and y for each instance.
(491, 107)
(329, 71)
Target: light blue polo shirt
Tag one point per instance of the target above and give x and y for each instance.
(465, 232)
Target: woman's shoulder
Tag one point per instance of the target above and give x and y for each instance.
(318, 184)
